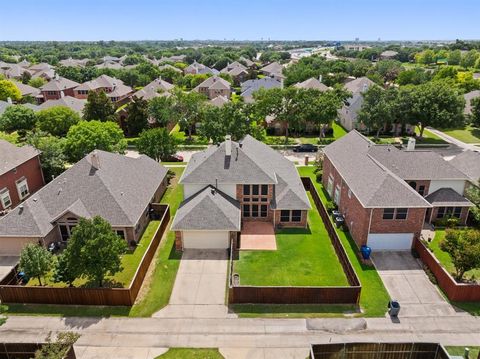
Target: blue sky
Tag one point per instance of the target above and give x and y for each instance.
(240, 20)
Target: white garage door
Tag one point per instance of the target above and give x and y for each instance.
(206, 239)
(390, 241)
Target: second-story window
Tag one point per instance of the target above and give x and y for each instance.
(5, 198)
(22, 188)
(388, 213)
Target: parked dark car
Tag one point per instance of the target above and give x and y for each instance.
(173, 158)
(305, 148)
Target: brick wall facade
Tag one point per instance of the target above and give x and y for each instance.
(357, 218)
(31, 170)
(56, 95)
(462, 220)
(301, 224)
(241, 198)
(419, 183)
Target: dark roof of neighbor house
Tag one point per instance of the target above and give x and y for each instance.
(27, 90)
(59, 84)
(251, 162)
(415, 165)
(447, 197)
(208, 209)
(219, 101)
(73, 103)
(214, 82)
(373, 184)
(232, 66)
(105, 81)
(272, 68)
(358, 85)
(469, 163)
(311, 83)
(157, 87)
(113, 186)
(468, 100)
(250, 86)
(13, 156)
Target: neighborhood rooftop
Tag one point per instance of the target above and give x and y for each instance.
(110, 185)
(13, 156)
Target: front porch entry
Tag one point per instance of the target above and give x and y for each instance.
(258, 235)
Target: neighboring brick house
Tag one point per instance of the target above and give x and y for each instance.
(115, 89)
(274, 70)
(251, 86)
(72, 103)
(235, 182)
(213, 87)
(20, 174)
(156, 88)
(386, 194)
(196, 68)
(312, 83)
(120, 189)
(56, 89)
(237, 71)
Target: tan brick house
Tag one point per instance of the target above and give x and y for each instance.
(234, 182)
(56, 89)
(120, 189)
(213, 87)
(387, 194)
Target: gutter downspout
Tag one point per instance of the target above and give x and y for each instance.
(369, 223)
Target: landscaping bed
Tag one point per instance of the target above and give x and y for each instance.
(374, 296)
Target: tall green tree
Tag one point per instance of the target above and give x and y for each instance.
(157, 143)
(57, 120)
(454, 57)
(162, 110)
(377, 109)
(59, 348)
(87, 136)
(98, 107)
(52, 157)
(9, 90)
(98, 247)
(463, 246)
(137, 118)
(35, 261)
(17, 118)
(433, 103)
(475, 115)
(190, 109)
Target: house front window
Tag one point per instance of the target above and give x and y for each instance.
(120, 233)
(454, 212)
(290, 215)
(388, 213)
(254, 201)
(5, 198)
(421, 190)
(66, 228)
(296, 216)
(330, 186)
(336, 197)
(401, 213)
(22, 188)
(284, 216)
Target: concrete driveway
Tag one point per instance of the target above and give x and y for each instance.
(6, 264)
(200, 287)
(407, 282)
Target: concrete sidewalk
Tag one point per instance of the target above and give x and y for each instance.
(453, 140)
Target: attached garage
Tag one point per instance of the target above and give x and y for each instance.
(390, 241)
(205, 239)
(12, 246)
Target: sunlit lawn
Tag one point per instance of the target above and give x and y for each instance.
(468, 134)
(184, 353)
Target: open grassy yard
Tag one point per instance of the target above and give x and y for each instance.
(183, 139)
(156, 291)
(338, 132)
(444, 257)
(304, 257)
(374, 296)
(468, 134)
(474, 351)
(183, 353)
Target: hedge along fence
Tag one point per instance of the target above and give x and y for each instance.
(89, 296)
(458, 292)
(302, 295)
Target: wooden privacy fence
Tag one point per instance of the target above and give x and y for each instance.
(378, 351)
(458, 292)
(302, 295)
(89, 296)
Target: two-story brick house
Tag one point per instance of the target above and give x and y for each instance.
(56, 89)
(386, 194)
(234, 182)
(115, 89)
(213, 87)
(20, 174)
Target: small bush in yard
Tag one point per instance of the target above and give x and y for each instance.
(463, 246)
(319, 175)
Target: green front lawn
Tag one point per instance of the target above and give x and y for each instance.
(474, 351)
(183, 139)
(445, 259)
(468, 134)
(338, 132)
(374, 297)
(304, 257)
(184, 353)
(157, 287)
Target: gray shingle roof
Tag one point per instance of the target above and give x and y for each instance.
(214, 82)
(73, 103)
(447, 197)
(154, 89)
(250, 86)
(27, 90)
(12, 156)
(3, 106)
(415, 165)
(373, 184)
(469, 163)
(468, 100)
(119, 191)
(273, 68)
(218, 101)
(59, 84)
(252, 163)
(358, 85)
(311, 83)
(208, 209)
